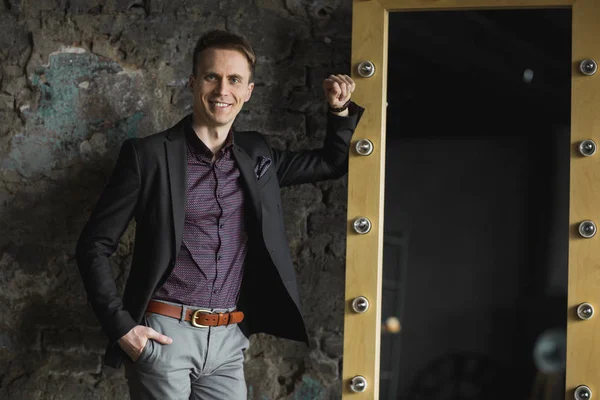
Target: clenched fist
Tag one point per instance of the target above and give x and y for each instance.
(338, 89)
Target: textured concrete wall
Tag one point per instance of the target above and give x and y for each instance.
(78, 77)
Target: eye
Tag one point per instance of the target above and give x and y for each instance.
(211, 77)
(236, 80)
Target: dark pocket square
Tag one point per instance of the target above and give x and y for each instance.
(262, 166)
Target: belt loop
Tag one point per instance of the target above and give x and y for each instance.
(183, 313)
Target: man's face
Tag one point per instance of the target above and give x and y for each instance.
(221, 86)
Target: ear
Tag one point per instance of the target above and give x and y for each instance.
(249, 92)
(191, 81)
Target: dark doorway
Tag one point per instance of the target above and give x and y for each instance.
(477, 187)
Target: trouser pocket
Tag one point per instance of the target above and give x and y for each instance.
(148, 352)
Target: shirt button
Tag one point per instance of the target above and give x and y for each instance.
(219, 257)
(221, 225)
(215, 291)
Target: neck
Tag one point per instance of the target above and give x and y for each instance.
(212, 136)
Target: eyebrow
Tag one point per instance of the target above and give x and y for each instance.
(241, 78)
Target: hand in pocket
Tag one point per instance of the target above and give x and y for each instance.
(134, 341)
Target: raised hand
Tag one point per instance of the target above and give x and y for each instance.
(338, 89)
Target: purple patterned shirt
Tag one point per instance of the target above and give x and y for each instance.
(209, 267)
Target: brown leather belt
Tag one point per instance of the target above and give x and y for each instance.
(199, 318)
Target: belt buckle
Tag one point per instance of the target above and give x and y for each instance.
(195, 315)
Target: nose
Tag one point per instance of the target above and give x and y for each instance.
(222, 87)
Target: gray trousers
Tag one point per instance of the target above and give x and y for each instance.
(200, 363)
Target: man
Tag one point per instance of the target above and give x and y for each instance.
(211, 264)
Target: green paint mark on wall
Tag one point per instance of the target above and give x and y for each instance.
(67, 112)
(308, 389)
(58, 83)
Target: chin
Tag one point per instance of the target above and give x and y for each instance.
(221, 121)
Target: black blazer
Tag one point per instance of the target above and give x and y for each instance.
(148, 183)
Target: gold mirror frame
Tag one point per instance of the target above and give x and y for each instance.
(364, 254)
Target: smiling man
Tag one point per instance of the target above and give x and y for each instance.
(211, 264)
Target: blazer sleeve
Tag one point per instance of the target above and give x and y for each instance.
(328, 162)
(99, 240)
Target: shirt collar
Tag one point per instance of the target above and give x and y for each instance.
(197, 146)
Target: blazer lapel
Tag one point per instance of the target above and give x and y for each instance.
(244, 163)
(175, 148)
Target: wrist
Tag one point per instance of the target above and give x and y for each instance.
(339, 110)
(344, 113)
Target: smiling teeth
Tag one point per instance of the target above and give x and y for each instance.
(221, 104)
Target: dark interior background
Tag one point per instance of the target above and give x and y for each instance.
(476, 212)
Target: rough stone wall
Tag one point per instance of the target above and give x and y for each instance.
(78, 77)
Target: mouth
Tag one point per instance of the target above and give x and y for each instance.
(219, 104)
